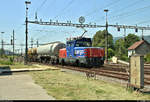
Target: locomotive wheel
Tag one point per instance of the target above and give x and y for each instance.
(81, 64)
(77, 63)
(52, 62)
(62, 62)
(88, 66)
(57, 61)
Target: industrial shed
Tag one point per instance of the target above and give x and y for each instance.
(141, 47)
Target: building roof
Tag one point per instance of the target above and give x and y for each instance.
(136, 44)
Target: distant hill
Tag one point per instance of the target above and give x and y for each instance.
(147, 38)
(116, 38)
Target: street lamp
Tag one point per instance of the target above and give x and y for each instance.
(26, 50)
(106, 38)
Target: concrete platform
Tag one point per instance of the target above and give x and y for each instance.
(20, 86)
(6, 70)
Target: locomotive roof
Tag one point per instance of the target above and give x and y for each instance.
(76, 39)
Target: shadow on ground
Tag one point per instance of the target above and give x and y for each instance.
(146, 92)
(5, 70)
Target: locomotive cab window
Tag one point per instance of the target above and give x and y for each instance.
(83, 44)
(69, 44)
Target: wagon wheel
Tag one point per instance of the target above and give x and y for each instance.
(77, 63)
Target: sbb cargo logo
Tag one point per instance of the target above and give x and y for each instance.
(79, 52)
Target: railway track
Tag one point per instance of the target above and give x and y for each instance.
(113, 71)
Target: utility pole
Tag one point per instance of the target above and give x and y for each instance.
(106, 38)
(13, 43)
(37, 43)
(26, 49)
(124, 34)
(2, 48)
(31, 42)
(142, 35)
(21, 50)
(2, 44)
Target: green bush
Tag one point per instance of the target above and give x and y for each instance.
(3, 62)
(124, 58)
(111, 53)
(147, 58)
(11, 59)
(4, 56)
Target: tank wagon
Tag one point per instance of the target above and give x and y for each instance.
(76, 51)
(49, 53)
(32, 52)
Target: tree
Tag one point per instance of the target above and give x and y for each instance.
(122, 45)
(111, 53)
(131, 39)
(99, 39)
(120, 48)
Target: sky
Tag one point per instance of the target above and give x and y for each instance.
(124, 12)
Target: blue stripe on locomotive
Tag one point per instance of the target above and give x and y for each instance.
(74, 52)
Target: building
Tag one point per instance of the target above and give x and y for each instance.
(141, 47)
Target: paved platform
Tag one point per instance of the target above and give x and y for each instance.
(5, 70)
(20, 86)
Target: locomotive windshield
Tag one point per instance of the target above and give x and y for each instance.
(83, 44)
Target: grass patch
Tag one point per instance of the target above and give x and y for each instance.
(4, 62)
(8, 61)
(16, 65)
(66, 86)
(21, 65)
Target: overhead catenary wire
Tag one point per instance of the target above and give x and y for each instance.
(39, 8)
(124, 14)
(130, 13)
(42, 4)
(143, 22)
(127, 6)
(69, 3)
(97, 9)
